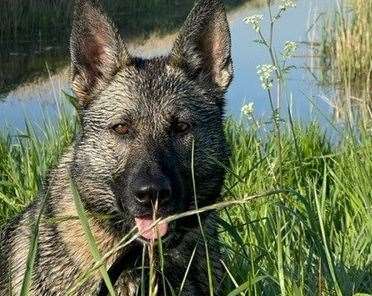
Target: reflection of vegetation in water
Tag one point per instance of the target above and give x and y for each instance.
(21, 68)
(38, 21)
(347, 55)
(41, 28)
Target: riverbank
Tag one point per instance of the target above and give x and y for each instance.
(346, 58)
(308, 231)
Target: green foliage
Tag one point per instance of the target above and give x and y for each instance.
(308, 233)
(25, 159)
(325, 219)
(326, 224)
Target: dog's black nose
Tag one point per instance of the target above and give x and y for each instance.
(147, 192)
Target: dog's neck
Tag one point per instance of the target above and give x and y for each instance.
(61, 203)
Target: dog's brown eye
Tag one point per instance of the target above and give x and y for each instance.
(121, 129)
(181, 128)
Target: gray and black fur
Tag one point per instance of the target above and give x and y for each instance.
(139, 120)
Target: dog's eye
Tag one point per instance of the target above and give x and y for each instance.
(181, 128)
(121, 129)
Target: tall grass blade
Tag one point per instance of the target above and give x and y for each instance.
(90, 238)
(32, 251)
(187, 271)
(324, 239)
(210, 280)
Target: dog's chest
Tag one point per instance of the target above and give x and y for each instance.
(127, 285)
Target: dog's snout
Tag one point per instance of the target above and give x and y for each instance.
(148, 192)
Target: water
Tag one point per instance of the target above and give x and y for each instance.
(35, 73)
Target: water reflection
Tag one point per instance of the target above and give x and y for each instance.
(150, 27)
(36, 33)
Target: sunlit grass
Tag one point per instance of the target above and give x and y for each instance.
(326, 224)
(325, 214)
(296, 214)
(25, 159)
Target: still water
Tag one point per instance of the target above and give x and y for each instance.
(34, 72)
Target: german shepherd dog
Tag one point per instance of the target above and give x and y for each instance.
(142, 123)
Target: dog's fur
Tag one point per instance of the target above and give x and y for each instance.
(150, 98)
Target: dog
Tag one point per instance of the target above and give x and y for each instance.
(151, 145)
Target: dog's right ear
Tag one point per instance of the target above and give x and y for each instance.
(203, 47)
(97, 51)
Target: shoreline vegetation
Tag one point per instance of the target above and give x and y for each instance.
(346, 58)
(312, 236)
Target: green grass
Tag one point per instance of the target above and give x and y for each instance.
(316, 238)
(296, 215)
(25, 159)
(324, 224)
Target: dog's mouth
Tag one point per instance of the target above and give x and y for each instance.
(149, 229)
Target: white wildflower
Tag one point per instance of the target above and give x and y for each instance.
(265, 74)
(290, 48)
(254, 21)
(248, 110)
(287, 4)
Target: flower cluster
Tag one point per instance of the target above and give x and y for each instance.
(254, 21)
(287, 4)
(289, 49)
(265, 73)
(248, 110)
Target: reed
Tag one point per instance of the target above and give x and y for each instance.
(346, 51)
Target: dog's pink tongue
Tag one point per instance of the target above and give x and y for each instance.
(144, 227)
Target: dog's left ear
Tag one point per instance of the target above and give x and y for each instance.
(203, 47)
(97, 50)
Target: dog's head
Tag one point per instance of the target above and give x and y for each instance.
(147, 123)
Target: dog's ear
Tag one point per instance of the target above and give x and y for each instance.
(203, 47)
(97, 51)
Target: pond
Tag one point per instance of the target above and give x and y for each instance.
(34, 55)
